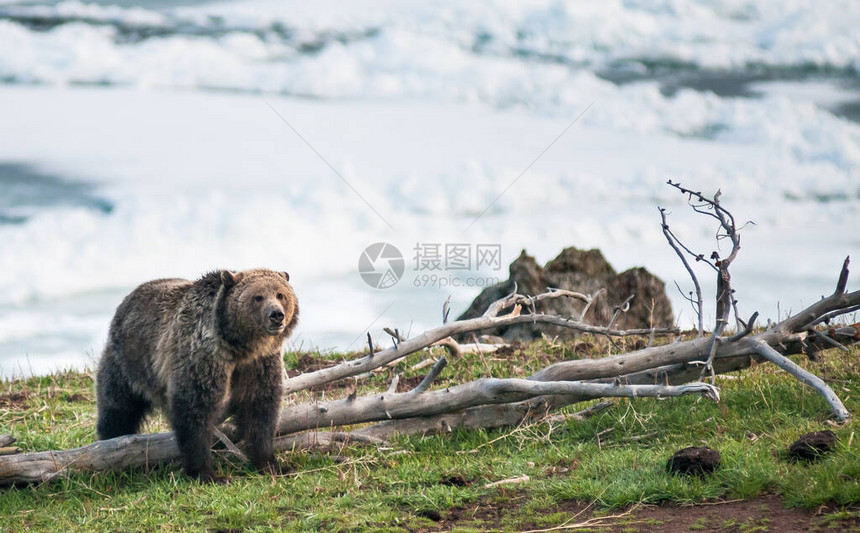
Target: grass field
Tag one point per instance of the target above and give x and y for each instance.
(578, 470)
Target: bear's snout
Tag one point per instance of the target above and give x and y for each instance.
(276, 316)
(276, 320)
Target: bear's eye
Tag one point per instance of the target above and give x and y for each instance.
(258, 298)
(280, 296)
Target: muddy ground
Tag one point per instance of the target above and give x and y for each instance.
(764, 513)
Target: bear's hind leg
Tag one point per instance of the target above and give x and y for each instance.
(120, 410)
(256, 392)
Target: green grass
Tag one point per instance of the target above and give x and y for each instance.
(403, 484)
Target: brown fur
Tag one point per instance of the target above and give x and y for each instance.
(199, 350)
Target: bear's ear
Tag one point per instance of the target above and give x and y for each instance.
(286, 275)
(229, 278)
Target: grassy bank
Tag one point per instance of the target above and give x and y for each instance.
(613, 460)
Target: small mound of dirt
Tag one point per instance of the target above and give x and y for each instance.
(455, 481)
(14, 399)
(695, 460)
(407, 384)
(309, 363)
(811, 446)
(431, 514)
(77, 397)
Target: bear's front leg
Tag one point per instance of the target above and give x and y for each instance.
(256, 391)
(196, 394)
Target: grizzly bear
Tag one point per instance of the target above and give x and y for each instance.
(200, 351)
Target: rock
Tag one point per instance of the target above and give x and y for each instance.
(698, 460)
(585, 271)
(813, 445)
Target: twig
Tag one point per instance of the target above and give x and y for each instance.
(597, 521)
(591, 299)
(451, 345)
(748, 328)
(509, 481)
(395, 336)
(513, 299)
(582, 415)
(623, 307)
(393, 386)
(674, 243)
(429, 378)
(423, 364)
(829, 341)
(229, 444)
(830, 316)
(842, 282)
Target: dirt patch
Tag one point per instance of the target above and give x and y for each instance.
(455, 481)
(310, 363)
(514, 350)
(407, 384)
(16, 399)
(764, 513)
(78, 397)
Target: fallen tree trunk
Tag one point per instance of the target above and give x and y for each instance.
(487, 391)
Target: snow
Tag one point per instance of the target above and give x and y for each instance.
(430, 115)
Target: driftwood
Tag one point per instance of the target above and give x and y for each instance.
(658, 371)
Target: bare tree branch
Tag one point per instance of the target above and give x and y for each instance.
(675, 244)
(803, 376)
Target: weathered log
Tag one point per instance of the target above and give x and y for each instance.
(113, 454)
(487, 391)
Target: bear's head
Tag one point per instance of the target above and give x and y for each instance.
(258, 303)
